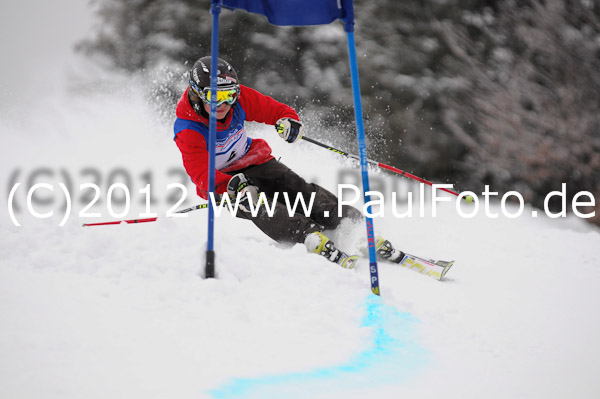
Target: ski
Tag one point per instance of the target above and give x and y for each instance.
(429, 267)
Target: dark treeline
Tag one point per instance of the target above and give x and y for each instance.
(504, 93)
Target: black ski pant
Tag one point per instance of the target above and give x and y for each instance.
(274, 177)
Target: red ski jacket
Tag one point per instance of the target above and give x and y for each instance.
(234, 150)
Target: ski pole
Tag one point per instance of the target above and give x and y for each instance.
(146, 220)
(383, 166)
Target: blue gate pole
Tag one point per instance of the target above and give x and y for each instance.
(362, 147)
(215, 10)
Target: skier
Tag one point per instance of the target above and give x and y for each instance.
(245, 166)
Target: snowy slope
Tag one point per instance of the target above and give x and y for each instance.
(120, 311)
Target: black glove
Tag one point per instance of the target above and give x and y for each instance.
(289, 129)
(239, 185)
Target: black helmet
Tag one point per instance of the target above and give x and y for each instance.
(226, 79)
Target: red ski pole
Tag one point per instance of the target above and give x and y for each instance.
(383, 166)
(146, 220)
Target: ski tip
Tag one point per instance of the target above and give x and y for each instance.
(446, 269)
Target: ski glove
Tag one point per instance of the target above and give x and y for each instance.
(248, 194)
(289, 129)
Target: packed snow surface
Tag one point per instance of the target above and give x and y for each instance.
(123, 311)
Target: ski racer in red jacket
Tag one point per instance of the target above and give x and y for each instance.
(245, 166)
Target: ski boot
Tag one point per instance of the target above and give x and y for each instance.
(319, 243)
(386, 250)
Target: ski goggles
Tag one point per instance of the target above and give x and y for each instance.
(228, 96)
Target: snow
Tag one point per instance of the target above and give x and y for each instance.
(122, 311)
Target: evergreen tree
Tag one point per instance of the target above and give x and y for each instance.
(475, 92)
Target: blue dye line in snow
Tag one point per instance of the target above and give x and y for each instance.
(393, 357)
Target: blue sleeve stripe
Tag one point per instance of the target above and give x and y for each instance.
(183, 124)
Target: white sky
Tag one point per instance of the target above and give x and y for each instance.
(36, 40)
